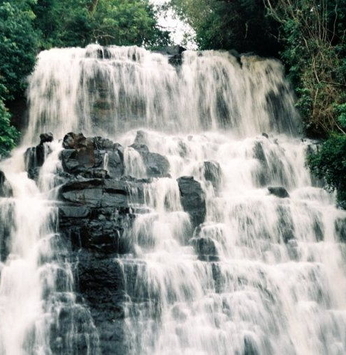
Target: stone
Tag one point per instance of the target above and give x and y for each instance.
(212, 172)
(2, 184)
(46, 137)
(156, 164)
(340, 229)
(101, 283)
(192, 199)
(278, 191)
(285, 224)
(205, 248)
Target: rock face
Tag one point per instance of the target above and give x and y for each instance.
(278, 191)
(2, 184)
(192, 199)
(156, 165)
(96, 216)
(35, 156)
(212, 173)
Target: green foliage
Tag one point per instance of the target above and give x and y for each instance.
(77, 23)
(312, 32)
(224, 24)
(18, 45)
(8, 134)
(329, 163)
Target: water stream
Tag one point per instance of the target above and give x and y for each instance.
(271, 278)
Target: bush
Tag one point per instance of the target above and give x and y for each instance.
(329, 163)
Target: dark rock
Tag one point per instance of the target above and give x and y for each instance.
(34, 157)
(258, 152)
(95, 193)
(46, 137)
(285, 224)
(340, 229)
(192, 199)
(212, 173)
(3, 188)
(142, 137)
(103, 143)
(92, 157)
(174, 54)
(141, 148)
(76, 141)
(156, 164)
(278, 191)
(115, 165)
(265, 135)
(205, 248)
(101, 282)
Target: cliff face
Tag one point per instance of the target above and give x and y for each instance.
(98, 205)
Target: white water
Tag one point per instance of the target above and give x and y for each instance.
(269, 293)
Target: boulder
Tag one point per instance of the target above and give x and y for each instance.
(192, 199)
(278, 191)
(92, 157)
(35, 156)
(156, 164)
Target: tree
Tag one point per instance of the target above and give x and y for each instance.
(18, 45)
(313, 33)
(231, 24)
(66, 23)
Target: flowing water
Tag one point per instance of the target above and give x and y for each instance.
(272, 280)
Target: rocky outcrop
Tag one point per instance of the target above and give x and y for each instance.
(100, 280)
(192, 199)
(205, 248)
(340, 229)
(156, 164)
(2, 184)
(96, 216)
(35, 156)
(278, 191)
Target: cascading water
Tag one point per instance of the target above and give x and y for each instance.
(263, 274)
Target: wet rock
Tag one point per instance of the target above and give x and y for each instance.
(258, 152)
(95, 193)
(212, 173)
(101, 143)
(92, 157)
(205, 248)
(115, 163)
(174, 54)
(192, 199)
(46, 137)
(285, 224)
(3, 188)
(35, 157)
(278, 191)
(156, 164)
(142, 138)
(102, 285)
(340, 229)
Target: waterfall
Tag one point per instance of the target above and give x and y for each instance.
(261, 272)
